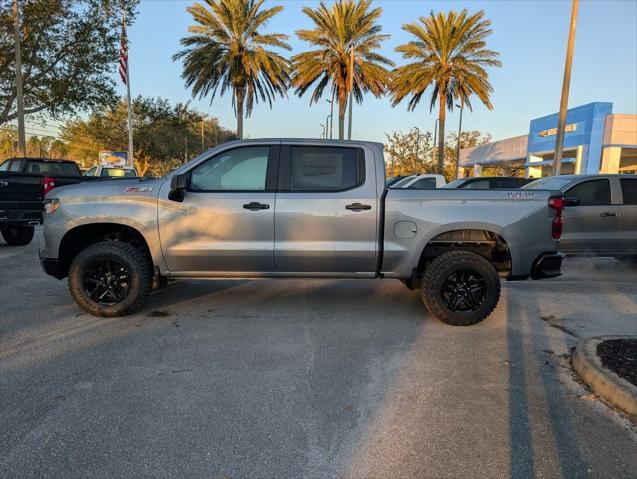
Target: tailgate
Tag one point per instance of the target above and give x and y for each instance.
(18, 187)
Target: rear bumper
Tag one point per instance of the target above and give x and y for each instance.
(52, 267)
(547, 265)
(24, 217)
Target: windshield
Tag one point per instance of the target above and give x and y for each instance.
(52, 168)
(551, 183)
(454, 184)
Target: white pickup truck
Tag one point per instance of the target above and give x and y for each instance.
(297, 208)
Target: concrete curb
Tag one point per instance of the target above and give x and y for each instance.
(606, 384)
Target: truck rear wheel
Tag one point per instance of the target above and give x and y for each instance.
(460, 288)
(17, 235)
(110, 279)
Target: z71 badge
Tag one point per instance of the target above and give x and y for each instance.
(139, 189)
(520, 195)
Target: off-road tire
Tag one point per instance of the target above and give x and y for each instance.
(18, 235)
(138, 266)
(439, 269)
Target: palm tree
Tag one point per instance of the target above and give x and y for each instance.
(345, 27)
(225, 50)
(450, 54)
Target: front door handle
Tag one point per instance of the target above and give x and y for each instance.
(358, 207)
(256, 206)
(608, 214)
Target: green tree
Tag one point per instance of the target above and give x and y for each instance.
(165, 135)
(409, 153)
(449, 54)
(68, 48)
(345, 26)
(227, 50)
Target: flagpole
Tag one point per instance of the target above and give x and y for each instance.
(131, 158)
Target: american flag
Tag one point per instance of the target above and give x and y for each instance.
(123, 57)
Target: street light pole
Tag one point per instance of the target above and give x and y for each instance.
(331, 102)
(22, 143)
(417, 145)
(433, 149)
(351, 92)
(566, 82)
(461, 106)
(323, 130)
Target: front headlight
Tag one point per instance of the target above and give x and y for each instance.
(50, 205)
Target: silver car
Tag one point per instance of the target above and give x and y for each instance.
(600, 217)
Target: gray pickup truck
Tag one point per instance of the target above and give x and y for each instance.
(297, 208)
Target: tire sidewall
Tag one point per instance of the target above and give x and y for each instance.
(18, 235)
(443, 269)
(104, 252)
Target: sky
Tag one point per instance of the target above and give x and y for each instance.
(530, 36)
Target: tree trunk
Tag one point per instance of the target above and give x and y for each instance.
(441, 132)
(239, 93)
(342, 106)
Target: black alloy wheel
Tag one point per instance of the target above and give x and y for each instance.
(106, 281)
(463, 291)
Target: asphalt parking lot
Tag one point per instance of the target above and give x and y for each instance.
(308, 378)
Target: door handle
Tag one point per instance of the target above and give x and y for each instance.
(358, 207)
(608, 214)
(256, 206)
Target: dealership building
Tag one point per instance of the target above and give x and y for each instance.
(596, 140)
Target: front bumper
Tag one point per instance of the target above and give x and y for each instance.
(547, 265)
(52, 267)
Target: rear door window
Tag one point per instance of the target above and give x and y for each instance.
(591, 193)
(326, 168)
(424, 184)
(15, 165)
(629, 190)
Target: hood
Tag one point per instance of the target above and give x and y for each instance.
(109, 188)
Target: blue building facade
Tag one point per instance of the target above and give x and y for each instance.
(595, 140)
(584, 129)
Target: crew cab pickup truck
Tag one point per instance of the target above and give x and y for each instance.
(297, 208)
(23, 184)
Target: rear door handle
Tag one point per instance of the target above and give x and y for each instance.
(358, 207)
(256, 206)
(608, 214)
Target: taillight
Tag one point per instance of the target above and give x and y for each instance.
(48, 184)
(557, 203)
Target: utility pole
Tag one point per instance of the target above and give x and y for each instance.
(351, 92)
(461, 106)
(323, 131)
(202, 137)
(22, 142)
(566, 83)
(185, 147)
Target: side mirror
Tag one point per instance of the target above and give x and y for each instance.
(571, 201)
(178, 185)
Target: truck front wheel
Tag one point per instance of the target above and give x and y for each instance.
(18, 235)
(460, 288)
(110, 279)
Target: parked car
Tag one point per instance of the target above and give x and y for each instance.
(23, 184)
(488, 182)
(297, 208)
(105, 171)
(600, 217)
(423, 181)
(394, 179)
